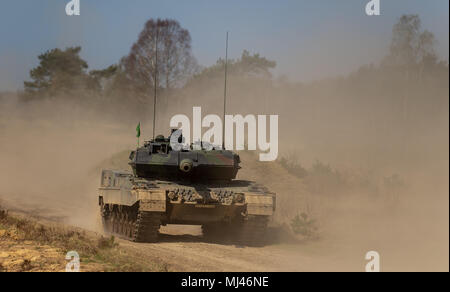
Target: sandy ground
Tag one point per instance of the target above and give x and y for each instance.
(409, 236)
(50, 171)
(28, 256)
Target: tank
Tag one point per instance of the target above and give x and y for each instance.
(194, 187)
(157, 159)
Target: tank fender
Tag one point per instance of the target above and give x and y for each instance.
(152, 200)
(259, 204)
(117, 196)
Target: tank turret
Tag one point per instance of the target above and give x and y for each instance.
(158, 160)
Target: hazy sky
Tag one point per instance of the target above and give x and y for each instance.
(308, 39)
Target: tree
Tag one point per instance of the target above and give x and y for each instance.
(101, 78)
(59, 71)
(255, 65)
(247, 66)
(163, 50)
(410, 45)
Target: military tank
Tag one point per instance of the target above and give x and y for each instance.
(187, 186)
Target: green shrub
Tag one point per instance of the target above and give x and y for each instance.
(104, 243)
(3, 214)
(303, 225)
(291, 164)
(322, 179)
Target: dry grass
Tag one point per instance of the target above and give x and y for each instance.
(97, 253)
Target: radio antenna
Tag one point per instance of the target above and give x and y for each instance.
(156, 81)
(225, 94)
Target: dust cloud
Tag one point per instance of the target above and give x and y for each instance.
(51, 152)
(385, 141)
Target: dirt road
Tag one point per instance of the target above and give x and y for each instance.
(189, 252)
(183, 249)
(200, 256)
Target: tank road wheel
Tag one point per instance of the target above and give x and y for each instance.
(121, 223)
(111, 223)
(146, 227)
(253, 231)
(116, 222)
(106, 219)
(124, 225)
(130, 225)
(114, 226)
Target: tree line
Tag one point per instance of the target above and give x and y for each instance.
(162, 57)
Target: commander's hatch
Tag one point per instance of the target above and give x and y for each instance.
(159, 148)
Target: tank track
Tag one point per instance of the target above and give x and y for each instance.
(252, 231)
(146, 227)
(131, 224)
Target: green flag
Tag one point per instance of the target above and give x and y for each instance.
(138, 130)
